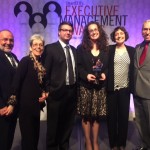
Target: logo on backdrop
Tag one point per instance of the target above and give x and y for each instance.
(80, 14)
(24, 7)
(76, 12)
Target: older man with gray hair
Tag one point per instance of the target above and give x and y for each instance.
(142, 87)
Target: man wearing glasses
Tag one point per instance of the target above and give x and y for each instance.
(60, 64)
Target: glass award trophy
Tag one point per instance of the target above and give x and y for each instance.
(97, 70)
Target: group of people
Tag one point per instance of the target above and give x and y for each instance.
(93, 81)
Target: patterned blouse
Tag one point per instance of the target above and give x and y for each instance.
(121, 69)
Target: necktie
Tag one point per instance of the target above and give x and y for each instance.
(12, 60)
(70, 67)
(143, 55)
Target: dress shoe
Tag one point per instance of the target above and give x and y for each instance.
(140, 148)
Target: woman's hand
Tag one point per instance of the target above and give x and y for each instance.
(91, 77)
(9, 110)
(103, 77)
(43, 97)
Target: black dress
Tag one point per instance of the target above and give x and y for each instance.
(91, 104)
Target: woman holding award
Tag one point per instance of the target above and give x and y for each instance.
(92, 69)
(120, 85)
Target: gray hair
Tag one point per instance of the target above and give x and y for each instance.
(36, 37)
(146, 21)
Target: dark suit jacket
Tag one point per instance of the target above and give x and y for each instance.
(6, 78)
(27, 87)
(55, 64)
(85, 64)
(110, 77)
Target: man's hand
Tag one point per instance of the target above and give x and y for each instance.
(3, 111)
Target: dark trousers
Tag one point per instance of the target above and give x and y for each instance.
(142, 117)
(30, 128)
(7, 130)
(118, 112)
(60, 119)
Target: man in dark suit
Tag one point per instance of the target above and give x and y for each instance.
(8, 64)
(61, 85)
(142, 87)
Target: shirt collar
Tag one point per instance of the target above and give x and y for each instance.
(63, 44)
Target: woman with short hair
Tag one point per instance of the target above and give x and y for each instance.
(28, 86)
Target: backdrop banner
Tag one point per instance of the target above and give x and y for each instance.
(25, 18)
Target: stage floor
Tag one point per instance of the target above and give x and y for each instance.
(77, 137)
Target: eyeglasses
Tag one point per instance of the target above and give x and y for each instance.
(66, 30)
(93, 30)
(7, 39)
(36, 45)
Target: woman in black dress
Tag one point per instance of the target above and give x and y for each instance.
(92, 68)
(28, 86)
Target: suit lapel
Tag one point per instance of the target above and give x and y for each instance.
(5, 60)
(112, 53)
(74, 54)
(138, 54)
(60, 49)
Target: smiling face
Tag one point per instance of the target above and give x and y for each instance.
(6, 41)
(37, 47)
(65, 33)
(119, 36)
(146, 31)
(93, 32)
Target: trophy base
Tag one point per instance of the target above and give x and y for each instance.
(96, 81)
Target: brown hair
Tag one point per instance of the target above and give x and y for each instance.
(112, 35)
